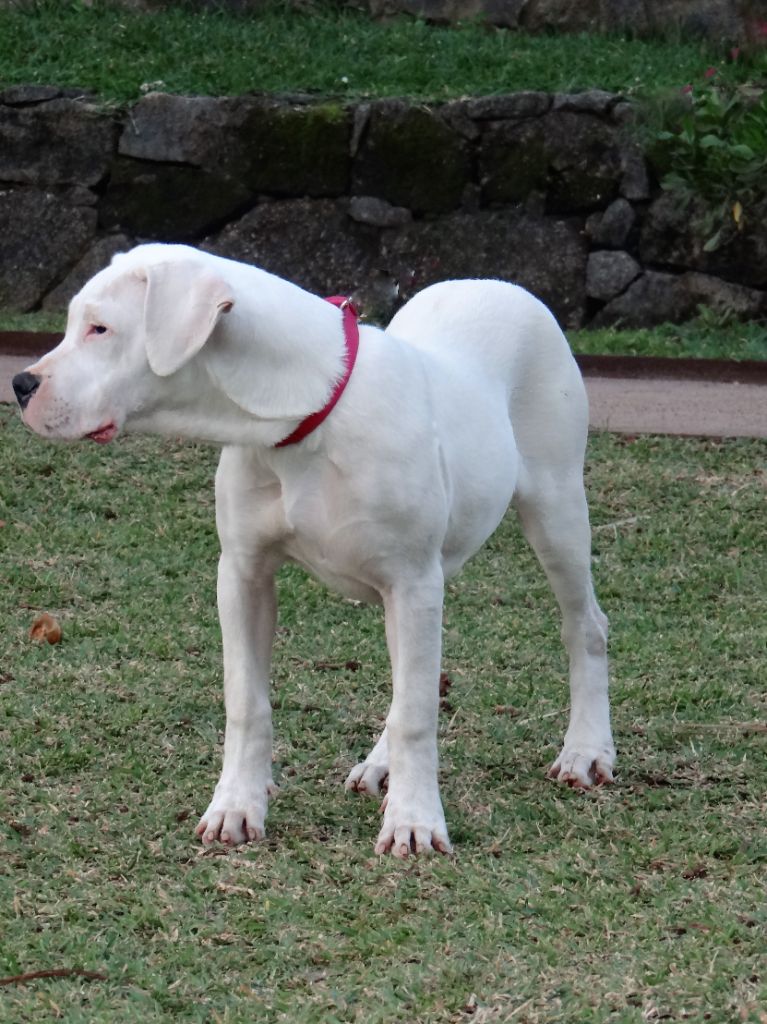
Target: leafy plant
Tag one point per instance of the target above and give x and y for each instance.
(714, 145)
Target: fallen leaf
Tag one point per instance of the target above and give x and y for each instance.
(235, 890)
(45, 627)
(336, 666)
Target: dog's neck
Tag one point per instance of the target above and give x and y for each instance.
(280, 350)
(273, 360)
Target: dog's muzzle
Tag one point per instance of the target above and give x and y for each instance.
(24, 385)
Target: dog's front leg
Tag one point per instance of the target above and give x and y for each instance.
(413, 817)
(247, 607)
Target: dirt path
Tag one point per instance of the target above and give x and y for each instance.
(686, 407)
(627, 396)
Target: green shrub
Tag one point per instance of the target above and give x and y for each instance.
(712, 142)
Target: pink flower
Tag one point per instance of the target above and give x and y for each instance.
(710, 72)
(686, 89)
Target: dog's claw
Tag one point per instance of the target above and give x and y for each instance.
(368, 778)
(232, 820)
(233, 836)
(412, 829)
(421, 842)
(583, 769)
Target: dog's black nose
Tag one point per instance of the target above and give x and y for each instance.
(25, 384)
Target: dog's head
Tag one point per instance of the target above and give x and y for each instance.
(131, 327)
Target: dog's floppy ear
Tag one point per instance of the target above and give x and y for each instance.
(184, 300)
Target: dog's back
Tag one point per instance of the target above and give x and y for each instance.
(514, 338)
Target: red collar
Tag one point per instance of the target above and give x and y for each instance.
(352, 339)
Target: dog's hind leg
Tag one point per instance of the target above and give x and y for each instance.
(371, 775)
(551, 503)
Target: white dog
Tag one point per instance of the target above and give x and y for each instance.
(470, 400)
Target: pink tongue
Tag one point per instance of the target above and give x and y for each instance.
(105, 435)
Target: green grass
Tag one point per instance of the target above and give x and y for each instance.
(41, 320)
(704, 338)
(639, 902)
(339, 52)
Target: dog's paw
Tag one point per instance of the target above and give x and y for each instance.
(369, 777)
(583, 766)
(235, 815)
(411, 828)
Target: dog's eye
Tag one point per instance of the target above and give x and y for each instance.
(94, 329)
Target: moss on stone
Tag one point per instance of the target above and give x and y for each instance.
(411, 158)
(514, 163)
(574, 160)
(168, 201)
(296, 150)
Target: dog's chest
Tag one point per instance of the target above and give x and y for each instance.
(339, 576)
(328, 534)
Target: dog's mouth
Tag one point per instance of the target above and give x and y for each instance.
(104, 434)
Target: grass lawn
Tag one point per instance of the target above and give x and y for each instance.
(327, 50)
(644, 901)
(704, 338)
(41, 320)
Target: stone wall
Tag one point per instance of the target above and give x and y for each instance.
(378, 198)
